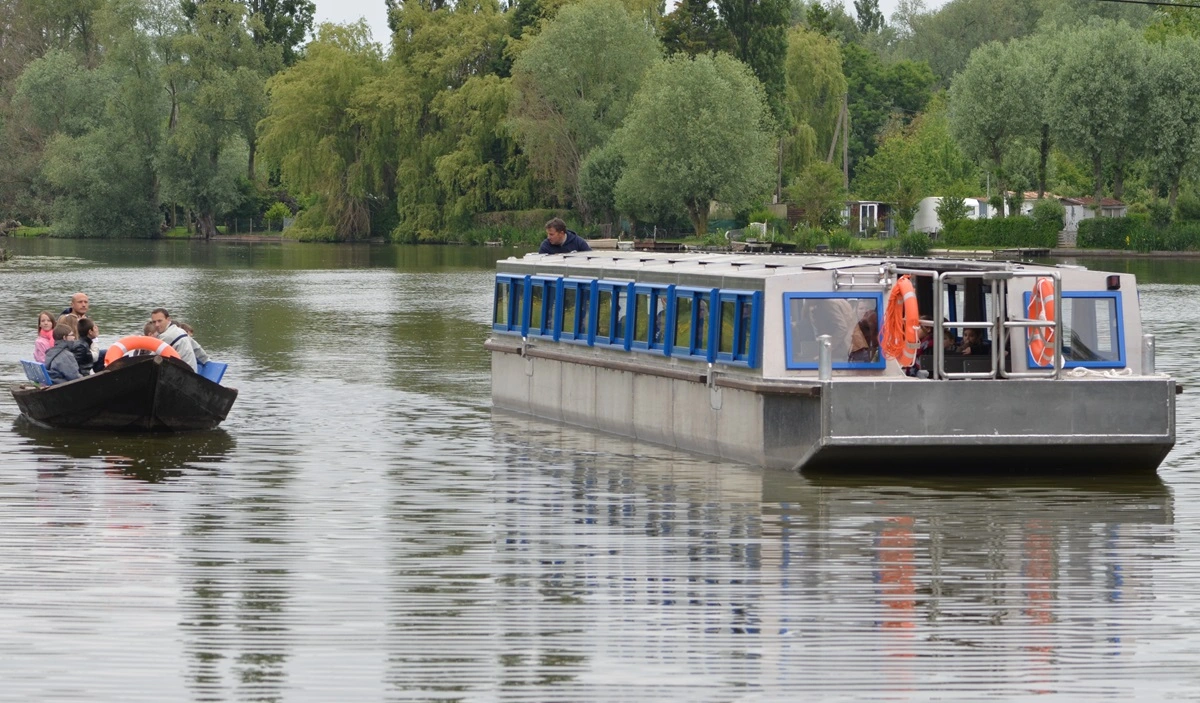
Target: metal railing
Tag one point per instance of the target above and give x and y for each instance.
(999, 325)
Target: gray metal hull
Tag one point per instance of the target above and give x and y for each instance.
(1093, 423)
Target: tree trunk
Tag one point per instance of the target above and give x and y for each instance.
(252, 142)
(206, 225)
(1098, 176)
(1043, 157)
(1119, 175)
(698, 214)
(1174, 192)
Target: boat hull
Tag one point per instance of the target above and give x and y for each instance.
(140, 394)
(1090, 424)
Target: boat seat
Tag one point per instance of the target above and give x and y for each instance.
(36, 372)
(213, 370)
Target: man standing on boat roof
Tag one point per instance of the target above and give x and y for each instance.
(172, 334)
(560, 240)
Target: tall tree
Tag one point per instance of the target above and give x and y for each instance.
(317, 126)
(693, 28)
(715, 145)
(878, 94)
(572, 86)
(989, 106)
(870, 19)
(1101, 120)
(759, 28)
(1174, 109)
(283, 23)
(815, 90)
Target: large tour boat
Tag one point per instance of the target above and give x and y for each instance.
(836, 363)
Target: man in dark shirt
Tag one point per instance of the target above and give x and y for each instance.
(560, 240)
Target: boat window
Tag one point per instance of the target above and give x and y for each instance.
(852, 321)
(611, 303)
(508, 304)
(739, 328)
(542, 300)
(691, 322)
(576, 305)
(650, 316)
(1093, 330)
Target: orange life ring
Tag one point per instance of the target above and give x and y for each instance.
(1041, 307)
(124, 345)
(902, 323)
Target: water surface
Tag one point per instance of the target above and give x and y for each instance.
(364, 527)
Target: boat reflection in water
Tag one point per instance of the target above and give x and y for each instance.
(150, 457)
(1028, 584)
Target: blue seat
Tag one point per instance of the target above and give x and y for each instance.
(36, 371)
(213, 370)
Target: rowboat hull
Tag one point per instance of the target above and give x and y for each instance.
(138, 394)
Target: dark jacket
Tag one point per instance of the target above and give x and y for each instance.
(573, 242)
(83, 356)
(94, 362)
(61, 363)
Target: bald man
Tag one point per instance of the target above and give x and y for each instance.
(79, 306)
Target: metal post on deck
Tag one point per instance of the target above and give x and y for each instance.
(1147, 355)
(825, 358)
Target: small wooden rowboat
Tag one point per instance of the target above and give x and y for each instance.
(136, 393)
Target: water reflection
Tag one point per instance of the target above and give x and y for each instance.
(807, 576)
(143, 457)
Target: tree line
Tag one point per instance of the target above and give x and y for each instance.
(124, 117)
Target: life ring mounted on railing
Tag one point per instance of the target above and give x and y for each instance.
(902, 323)
(1042, 306)
(138, 342)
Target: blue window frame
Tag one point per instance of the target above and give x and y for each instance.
(611, 321)
(509, 303)
(691, 322)
(1093, 326)
(737, 328)
(652, 317)
(851, 319)
(574, 309)
(543, 302)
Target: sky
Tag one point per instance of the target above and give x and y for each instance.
(343, 11)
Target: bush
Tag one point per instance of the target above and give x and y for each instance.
(914, 244)
(806, 238)
(1049, 212)
(1136, 233)
(1187, 208)
(1160, 213)
(1005, 232)
(841, 241)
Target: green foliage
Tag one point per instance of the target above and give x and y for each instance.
(1137, 233)
(103, 191)
(715, 143)
(879, 93)
(694, 28)
(1160, 213)
(573, 84)
(870, 19)
(842, 242)
(820, 192)
(1004, 232)
(277, 212)
(951, 209)
(759, 29)
(1187, 208)
(917, 161)
(1173, 70)
(1049, 213)
(598, 180)
(914, 244)
(815, 88)
(806, 238)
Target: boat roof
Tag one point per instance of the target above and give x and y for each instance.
(633, 264)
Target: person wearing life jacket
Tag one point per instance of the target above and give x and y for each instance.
(172, 334)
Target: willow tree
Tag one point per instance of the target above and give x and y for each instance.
(316, 129)
(572, 85)
(714, 144)
(1174, 107)
(815, 90)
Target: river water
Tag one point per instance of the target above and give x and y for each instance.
(365, 528)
